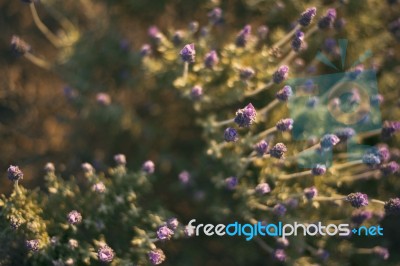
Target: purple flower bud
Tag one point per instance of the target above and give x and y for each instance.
(32, 245)
(281, 74)
(339, 24)
(279, 209)
(177, 38)
(345, 134)
(231, 182)
(243, 37)
(307, 16)
(282, 243)
(328, 141)
(278, 151)
(392, 206)
(261, 148)
(284, 94)
(246, 73)
(246, 116)
(211, 59)
(322, 254)
(103, 99)
(279, 255)
(87, 168)
(99, 187)
(262, 188)
(148, 167)
(74, 217)
(154, 34)
(196, 93)
(327, 21)
(310, 192)
(382, 252)
(172, 223)
(215, 16)
(49, 168)
(383, 152)
(262, 32)
(318, 169)
(390, 168)
(355, 72)
(298, 41)
(120, 159)
(164, 233)
(188, 53)
(292, 202)
(231, 135)
(359, 216)
(357, 199)
(19, 47)
(184, 177)
(14, 173)
(285, 124)
(156, 256)
(389, 128)
(193, 26)
(371, 159)
(105, 254)
(145, 50)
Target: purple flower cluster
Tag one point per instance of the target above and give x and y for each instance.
(327, 21)
(74, 217)
(284, 94)
(318, 169)
(14, 173)
(279, 209)
(246, 73)
(389, 168)
(188, 53)
(105, 254)
(164, 233)
(211, 59)
(215, 16)
(246, 116)
(328, 141)
(310, 192)
(281, 74)
(32, 245)
(262, 188)
(307, 16)
(298, 41)
(156, 256)
(285, 124)
(231, 135)
(392, 206)
(148, 167)
(261, 148)
(357, 199)
(359, 216)
(243, 37)
(231, 182)
(389, 128)
(196, 92)
(278, 151)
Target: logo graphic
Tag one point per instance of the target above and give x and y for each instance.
(333, 104)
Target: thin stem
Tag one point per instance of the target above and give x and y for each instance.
(311, 31)
(287, 58)
(344, 165)
(361, 176)
(266, 132)
(185, 72)
(295, 175)
(38, 61)
(286, 37)
(43, 28)
(259, 206)
(256, 91)
(377, 201)
(329, 198)
(267, 108)
(222, 123)
(368, 134)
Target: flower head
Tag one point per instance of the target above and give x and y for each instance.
(278, 151)
(389, 128)
(262, 188)
(284, 94)
(328, 141)
(188, 53)
(246, 73)
(211, 59)
(339, 24)
(307, 16)
(285, 124)
(381, 252)
(215, 15)
(184, 177)
(262, 32)
(261, 147)
(279, 209)
(120, 159)
(14, 173)
(345, 134)
(196, 92)
(103, 99)
(74, 217)
(310, 192)
(318, 169)
(359, 216)
(105, 254)
(279, 255)
(392, 206)
(281, 74)
(177, 38)
(243, 37)
(298, 41)
(145, 50)
(164, 233)
(19, 47)
(231, 135)
(357, 199)
(172, 223)
(231, 182)
(371, 159)
(327, 21)
(390, 168)
(156, 256)
(148, 167)
(32, 245)
(246, 116)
